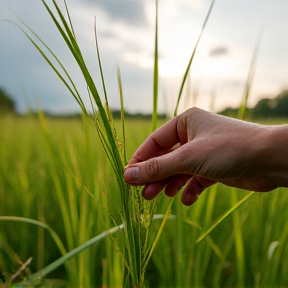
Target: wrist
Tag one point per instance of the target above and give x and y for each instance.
(272, 154)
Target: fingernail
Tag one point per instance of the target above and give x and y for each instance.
(131, 174)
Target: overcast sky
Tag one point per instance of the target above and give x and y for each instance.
(126, 38)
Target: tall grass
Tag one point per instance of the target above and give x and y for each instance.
(136, 214)
(177, 260)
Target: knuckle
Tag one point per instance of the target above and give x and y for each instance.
(152, 167)
(193, 111)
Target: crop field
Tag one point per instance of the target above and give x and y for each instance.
(55, 171)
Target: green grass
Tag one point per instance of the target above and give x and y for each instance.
(136, 214)
(29, 188)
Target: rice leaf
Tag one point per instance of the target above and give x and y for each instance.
(69, 18)
(233, 208)
(66, 256)
(99, 63)
(73, 90)
(53, 234)
(76, 52)
(155, 74)
(48, 269)
(191, 59)
(249, 81)
(122, 114)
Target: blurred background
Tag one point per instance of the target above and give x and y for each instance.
(126, 38)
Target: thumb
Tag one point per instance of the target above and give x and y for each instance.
(156, 168)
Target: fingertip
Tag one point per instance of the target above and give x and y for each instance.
(131, 174)
(171, 192)
(171, 189)
(176, 184)
(194, 188)
(189, 198)
(152, 190)
(149, 193)
(192, 192)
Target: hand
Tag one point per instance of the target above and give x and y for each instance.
(202, 148)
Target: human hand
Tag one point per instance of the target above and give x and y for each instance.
(202, 148)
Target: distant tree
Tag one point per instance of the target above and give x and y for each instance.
(7, 105)
(265, 108)
(230, 112)
(233, 112)
(276, 107)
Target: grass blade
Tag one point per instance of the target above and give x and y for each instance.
(205, 233)
(156, 239)
(249, 81)
(99, 62)
(155, 75)
(191, 59)
(69, 18)
(122, 114)
(53, 234)
(74, 92)
(76, 52)
(48, 269)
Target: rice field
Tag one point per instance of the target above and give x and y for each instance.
(55, 171)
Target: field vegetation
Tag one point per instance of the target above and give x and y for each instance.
(56, 172)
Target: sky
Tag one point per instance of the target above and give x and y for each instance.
(126, 30)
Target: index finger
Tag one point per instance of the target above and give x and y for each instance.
(159, 142)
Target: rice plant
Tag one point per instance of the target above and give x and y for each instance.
(135, 212)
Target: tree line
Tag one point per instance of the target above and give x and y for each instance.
(276, 107)
(7, 105)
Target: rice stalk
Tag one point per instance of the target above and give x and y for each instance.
(158, 234)
(137, 214)
(239, 245)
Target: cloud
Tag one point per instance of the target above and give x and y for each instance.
(218, 51)
(129, 11)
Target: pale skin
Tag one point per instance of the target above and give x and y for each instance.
(199, 149)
